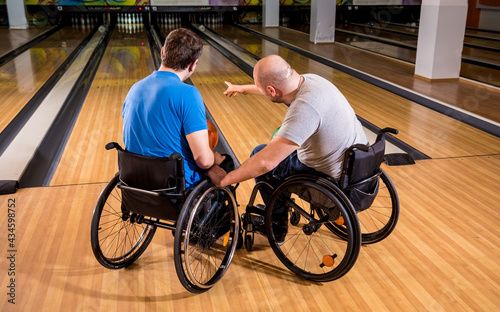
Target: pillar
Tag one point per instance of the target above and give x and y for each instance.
(441, 38)
(271, 13)
(322, 21)
(17, 14)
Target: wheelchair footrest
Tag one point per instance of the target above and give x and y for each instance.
(258, 209)
(253, 219)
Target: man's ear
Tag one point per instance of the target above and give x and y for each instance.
(192, 66)
(271, 90)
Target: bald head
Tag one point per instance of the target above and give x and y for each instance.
(277, 80)
(273, 70)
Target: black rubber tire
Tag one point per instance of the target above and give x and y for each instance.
(303, 249)
(197, 232)
(117, 241)
(248, 242)
(378, 221)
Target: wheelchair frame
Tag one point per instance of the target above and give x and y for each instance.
(206, 229)
(342, 223)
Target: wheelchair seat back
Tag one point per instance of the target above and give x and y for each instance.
(151, 186)
(361, 169)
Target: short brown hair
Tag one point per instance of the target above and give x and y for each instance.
(182, 47)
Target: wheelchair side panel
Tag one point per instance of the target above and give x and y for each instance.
(150, 206)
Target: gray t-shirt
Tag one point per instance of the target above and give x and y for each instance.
(323, 124)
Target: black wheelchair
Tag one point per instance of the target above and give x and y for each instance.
(316, 225)
(148, 193)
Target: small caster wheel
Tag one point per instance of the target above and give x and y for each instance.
(239, 244)
(248, 242)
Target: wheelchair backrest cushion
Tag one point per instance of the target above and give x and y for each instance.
(361, 166)
(149, 173)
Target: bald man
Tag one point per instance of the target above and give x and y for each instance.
(318, 127)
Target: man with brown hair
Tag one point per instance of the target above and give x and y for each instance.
(163, 115)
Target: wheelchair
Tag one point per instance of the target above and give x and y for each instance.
(316, 225)
(149, 193)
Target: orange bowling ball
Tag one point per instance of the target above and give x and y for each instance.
(213, 135)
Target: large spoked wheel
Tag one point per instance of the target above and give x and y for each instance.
(206, 236)
(307, 245)
(378, 221)
(118, 237)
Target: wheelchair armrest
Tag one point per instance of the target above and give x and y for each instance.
(175, 156)
(390, 130)
(363, 147)
(112, 145)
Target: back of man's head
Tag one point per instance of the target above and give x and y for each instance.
(273, 70)
(182, 47)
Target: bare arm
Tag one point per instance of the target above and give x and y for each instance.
(234, 90)
(198, 143)
(264, 161)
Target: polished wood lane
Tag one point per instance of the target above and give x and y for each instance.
(477, 98)
(426, 130)
(14, 38)
(22, 77)
(441, 257)
(127, 59)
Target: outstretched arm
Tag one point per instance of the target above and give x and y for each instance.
(264, 161)
(234, 90)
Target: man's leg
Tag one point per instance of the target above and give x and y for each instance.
(289, 166)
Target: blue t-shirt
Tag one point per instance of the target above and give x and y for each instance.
(159, 111)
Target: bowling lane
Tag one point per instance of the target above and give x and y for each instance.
(476, 98)
(491, 40)
(399, 53)
(386, 42)
(14, 38)
(126, 60)
(354, 30)
(404, 28)
(416, 123)
(22, 77)
(355, 33)
(485, 34)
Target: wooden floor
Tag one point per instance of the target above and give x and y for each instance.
(441, 257)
